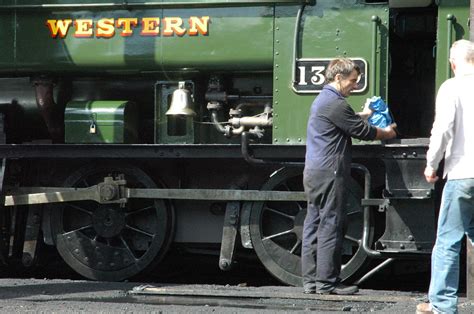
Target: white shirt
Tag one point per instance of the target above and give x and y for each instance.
(453, 129)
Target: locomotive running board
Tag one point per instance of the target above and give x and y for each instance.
(114, 191)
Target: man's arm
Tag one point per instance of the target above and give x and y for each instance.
(442, 131)
(386, 133)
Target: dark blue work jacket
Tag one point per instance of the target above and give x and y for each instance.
(332, 123)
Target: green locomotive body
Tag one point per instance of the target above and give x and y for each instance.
(142, 126)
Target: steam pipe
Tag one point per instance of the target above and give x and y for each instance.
(216, 123)
(52, 116)
(256, 161)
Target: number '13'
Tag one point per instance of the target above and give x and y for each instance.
(316, 79)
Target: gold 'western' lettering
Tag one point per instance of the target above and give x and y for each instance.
(150, 26)
(126, 24)
(83, 28)
(198, 25)
(105, 28)
(58, 27)
(172, 25)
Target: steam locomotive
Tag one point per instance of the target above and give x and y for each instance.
(132, 127)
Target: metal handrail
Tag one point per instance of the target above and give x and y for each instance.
(451, 20)
(373, 68)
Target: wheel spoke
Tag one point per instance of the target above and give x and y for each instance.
(139, 210)
(279, 213)
(84, 182)
(80, 209)
(277, 235)
(139, 231)
(127, 247)
(295, 247)
(89, 226)
(352, 239)
(299, 206)
(286, 186)
(356, 212)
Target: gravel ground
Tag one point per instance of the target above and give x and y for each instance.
(78, 296)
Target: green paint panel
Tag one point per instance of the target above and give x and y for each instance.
(237, 38)
(72, 54)
(330, 29)
(101, 122)
(449, 30)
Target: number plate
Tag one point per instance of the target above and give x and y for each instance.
(310, 75)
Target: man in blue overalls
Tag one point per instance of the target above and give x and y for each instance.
(331, 125)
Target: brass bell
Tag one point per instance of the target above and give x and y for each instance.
(181, 102)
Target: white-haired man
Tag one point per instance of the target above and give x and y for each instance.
(452, 129)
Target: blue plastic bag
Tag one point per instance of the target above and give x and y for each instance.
(381, 116)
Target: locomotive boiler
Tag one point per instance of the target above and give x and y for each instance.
(132, 127)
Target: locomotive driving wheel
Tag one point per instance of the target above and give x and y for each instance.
(276, 230)
(106, 241)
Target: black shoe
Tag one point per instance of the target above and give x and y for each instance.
(339, 289)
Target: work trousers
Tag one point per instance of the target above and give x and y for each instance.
(456, 218)
(324, 227)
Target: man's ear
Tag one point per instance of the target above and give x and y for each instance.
(453, 66)
(338, 77)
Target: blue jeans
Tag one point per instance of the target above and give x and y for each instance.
(456, 218)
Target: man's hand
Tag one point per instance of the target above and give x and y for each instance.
(366, 111)
(430, 175)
